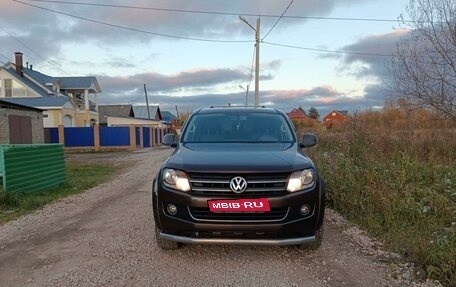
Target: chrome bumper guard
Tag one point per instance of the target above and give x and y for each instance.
(231, 241)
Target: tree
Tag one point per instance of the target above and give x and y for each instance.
(424, 65)
(301, 109)
(313, 113)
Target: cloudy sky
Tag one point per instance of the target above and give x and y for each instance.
(194, 59)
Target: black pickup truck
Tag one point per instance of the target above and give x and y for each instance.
(238, 176)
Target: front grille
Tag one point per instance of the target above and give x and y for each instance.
(203, 213)
(268, 184)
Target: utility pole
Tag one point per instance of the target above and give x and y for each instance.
(257, 58)
(257, 65)
(147, 102)
(246, 94)
(177, 111)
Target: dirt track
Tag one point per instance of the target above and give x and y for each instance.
(104, 237)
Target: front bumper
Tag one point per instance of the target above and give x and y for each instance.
(292, 228)
(238, 241)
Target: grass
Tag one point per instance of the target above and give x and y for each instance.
(79, 179)
(399, 183)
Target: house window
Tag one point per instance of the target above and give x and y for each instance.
(14, 89)
(8, 88)
(19, 90)
(333, 114)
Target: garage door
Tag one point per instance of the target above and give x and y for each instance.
(20, 128)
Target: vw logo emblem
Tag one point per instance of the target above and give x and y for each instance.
(238, 184)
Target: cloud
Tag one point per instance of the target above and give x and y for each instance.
(375, 94)
(324, 98)
(274, 65)
(375, 67)
(382, 44)
(160, 83)
(195, 80)
(47, 32)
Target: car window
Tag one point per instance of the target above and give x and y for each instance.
(238, 127)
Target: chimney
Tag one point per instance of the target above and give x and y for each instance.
(19, 63)
(31, 67)
(26, 64)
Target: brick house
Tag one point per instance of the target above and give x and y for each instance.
(335, 118)
(298, 114)
(121, 115)
(300, 118)
(20, 124)
(68, 101)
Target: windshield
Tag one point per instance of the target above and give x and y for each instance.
(248, 127)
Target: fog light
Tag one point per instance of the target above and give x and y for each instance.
(305, 209)
(172, 209)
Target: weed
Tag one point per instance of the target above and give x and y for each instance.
(399, 184)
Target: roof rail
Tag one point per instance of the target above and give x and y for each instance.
(230, 106)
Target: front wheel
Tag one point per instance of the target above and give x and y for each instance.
(164, 243)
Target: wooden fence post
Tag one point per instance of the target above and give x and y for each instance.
(152, 131)
(141, 137)
(132, 137)
(96, 136)
(61, 131)
(151, 139)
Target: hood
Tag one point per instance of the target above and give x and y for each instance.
(238, 157)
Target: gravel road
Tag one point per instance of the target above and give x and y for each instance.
(104, 237)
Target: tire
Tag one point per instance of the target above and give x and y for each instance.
(165, 244)
(318, 240)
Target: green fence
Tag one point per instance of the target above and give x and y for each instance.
(30, 168)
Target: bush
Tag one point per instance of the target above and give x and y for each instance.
(397, 182)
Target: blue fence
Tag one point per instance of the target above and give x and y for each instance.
(146, 137)
(51, 135)
(79, 137)
(114, 136)
(106, 137)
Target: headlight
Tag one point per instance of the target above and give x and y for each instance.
(300, 180)
(176, 179)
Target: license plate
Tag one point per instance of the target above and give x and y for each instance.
(239, 205)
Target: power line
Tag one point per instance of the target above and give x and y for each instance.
(188, 38)
(275, 24)
(4, 57)
(33, 51)
(133, 29)
(22, 43)
(329, 51)
(228, 13)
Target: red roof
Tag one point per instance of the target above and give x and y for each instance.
(297, 114)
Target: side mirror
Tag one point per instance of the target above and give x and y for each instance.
(308, 140)
(170, 140)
